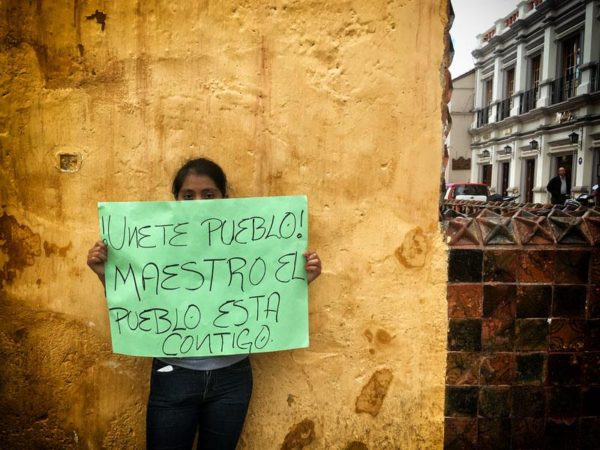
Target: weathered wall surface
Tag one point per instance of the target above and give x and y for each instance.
(102, 101)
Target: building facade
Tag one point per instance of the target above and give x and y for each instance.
(537, 99)
(458, 141)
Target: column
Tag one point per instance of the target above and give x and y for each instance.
(496, 87)
(543, 174)
(494, 182)
(475, 166)
(548, 64)
(514, 181)
(520, 76)
(585, 169)
(523, 8)
(478, 93)
(591, 46)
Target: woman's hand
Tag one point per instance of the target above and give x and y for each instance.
(313, 265)
(97, 258)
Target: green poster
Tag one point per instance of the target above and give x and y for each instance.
(208, 277)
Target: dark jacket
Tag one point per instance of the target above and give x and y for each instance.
(554, 187)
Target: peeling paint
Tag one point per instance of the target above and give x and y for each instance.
(19, 246)
(301, 435)
(373, 393)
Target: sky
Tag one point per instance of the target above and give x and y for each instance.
(473, 17)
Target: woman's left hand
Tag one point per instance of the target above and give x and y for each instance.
(313, 265)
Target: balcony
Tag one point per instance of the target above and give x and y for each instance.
(563, 89)
(528, 100)
(503, 110)
(483, 116)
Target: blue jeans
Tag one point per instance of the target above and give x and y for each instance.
(214, 402)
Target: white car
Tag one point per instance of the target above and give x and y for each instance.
(467, 191)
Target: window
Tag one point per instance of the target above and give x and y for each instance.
(471, 189)
(483, 115)
(529, 180)
(504, 177)
(488, 89)
(509, 89)
(565, 86)
(530, 96)
(534, 79)
(486, 174)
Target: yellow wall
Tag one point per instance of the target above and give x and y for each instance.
(341, 100)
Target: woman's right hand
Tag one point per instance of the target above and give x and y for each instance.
(97, 258)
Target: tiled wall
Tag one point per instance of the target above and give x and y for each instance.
(523, 361)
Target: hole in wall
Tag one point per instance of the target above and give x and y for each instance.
(69, 162)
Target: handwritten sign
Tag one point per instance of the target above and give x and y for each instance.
(208, 277)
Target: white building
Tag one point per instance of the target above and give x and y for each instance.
(537, 98)
(458, 141)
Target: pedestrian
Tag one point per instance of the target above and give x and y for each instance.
(204, 395)
(559, 187)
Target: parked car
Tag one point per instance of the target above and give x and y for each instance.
(467, 191)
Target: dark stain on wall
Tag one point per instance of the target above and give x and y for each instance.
(52, 249)
(19, 246)
(356, 445)
(100, 18)
(47, 357)
(373, 393)
(301, 435)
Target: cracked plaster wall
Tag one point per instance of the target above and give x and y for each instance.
(102, 101)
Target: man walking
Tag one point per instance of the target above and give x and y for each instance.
(559, 187)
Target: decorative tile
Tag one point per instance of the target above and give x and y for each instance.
(450, 214)
(530, 368)
(462, 231)
(499, 301)
(497, 334)
(465, 300)
(561, 434)
(528, 433)
(572, 267)
(461, 401)
(500, 266)
(564, 369)
(493, 433)
(536, 266)
(591, 226)
(592, 335)
(593, 309)
(569, 301)
(464, 335)
(462, 368)
(566, 228)
(465, 266)
(563, 401)
(460, 433)
(527, 401)
(533, 301)
(595, 269)
(591, 368)
(531, 334)
(590, 433)
(495, 229)
(497, 369)
(532, 229)
(494, 401)
(591, 400)
(567, 335)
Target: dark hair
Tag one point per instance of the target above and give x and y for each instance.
(200, 166)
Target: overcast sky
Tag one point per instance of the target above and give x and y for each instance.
(473, 17)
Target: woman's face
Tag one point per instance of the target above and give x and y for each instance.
(198, 187)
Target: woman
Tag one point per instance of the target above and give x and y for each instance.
(208, 394)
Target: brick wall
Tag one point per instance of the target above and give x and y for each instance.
(523, 360)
